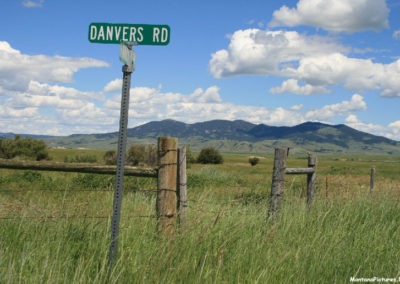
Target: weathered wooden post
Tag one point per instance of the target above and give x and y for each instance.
(167, 185)
(326, 187)
(182, 186)
(372, 180)
(311, 179)
(278, 181)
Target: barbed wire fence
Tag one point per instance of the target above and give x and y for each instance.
(170, 193)
(13, 204)
(328, 186)
(11, 209)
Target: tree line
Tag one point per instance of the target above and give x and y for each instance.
(33, 149)
(147, 155)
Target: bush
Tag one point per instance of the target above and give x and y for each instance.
(210, 155)
(151, 157)
(23, 147)
(136, 155)
(190, 158)
(253, 161)
(141, 154)
(110, 157)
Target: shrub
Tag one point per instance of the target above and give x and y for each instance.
(151, 156)
(210, 155)
(110, 157)
(253, 161)
(141, 154)
(136, 154)
(23, 147)
(190, 158)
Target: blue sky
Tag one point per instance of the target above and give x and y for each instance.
(273, 62)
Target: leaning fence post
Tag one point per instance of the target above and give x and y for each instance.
(372, 180)
(182, 186)
(311, 179)
(166, 186)
(278, 181)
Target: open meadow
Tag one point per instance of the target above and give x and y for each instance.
(55, 227)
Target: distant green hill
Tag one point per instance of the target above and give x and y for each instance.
(242, 136)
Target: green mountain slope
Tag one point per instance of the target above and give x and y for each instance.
(242, 136)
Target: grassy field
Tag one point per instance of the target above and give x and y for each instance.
(55, 227)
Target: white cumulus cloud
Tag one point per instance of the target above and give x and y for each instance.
(18, 69)
(335, 15)
(396, 34)
(33, 4)
(391, 131)
(56, 110)
(113, 86)
(355, 74)
(255, 51)
(149, 104)
(343, 108)
(31, 101)
(292, 86)
(41, 95)
(395, 130)
(318, 62)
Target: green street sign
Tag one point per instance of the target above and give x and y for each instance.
(135, 33)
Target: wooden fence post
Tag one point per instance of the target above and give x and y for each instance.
(166, 186)
(326, 187)
(182, 186)
(372, 180)
(278, 181)
(311, 179)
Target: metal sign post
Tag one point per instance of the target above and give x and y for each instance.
(119, 179)
(127, 35)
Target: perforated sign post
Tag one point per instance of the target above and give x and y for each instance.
(127, 35)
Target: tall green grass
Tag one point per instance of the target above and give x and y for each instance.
(228, 243)
(57, 234)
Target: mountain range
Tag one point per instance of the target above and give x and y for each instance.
(242, 136)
